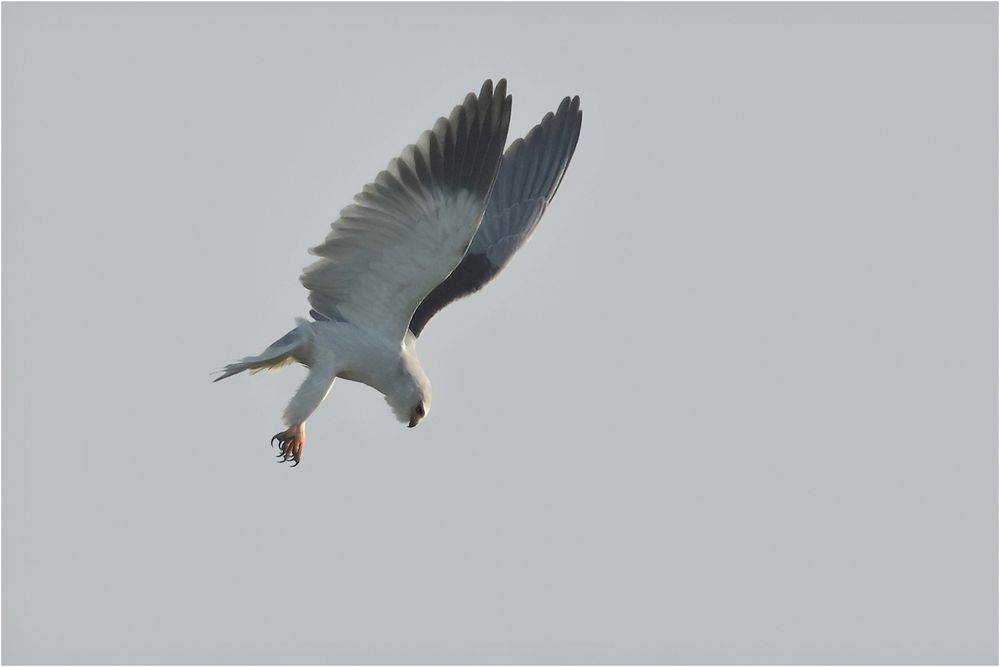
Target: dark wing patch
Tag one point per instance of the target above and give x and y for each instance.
(474, 272)
(397, 218)
(529, 175)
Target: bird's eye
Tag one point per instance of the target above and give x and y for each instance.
(420, 410)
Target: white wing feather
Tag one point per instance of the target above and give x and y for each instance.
(409, 229)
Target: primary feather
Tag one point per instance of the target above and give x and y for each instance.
(410, 228)
(529, 175)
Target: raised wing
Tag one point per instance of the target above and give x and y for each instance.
(529, 176)
(409, 229)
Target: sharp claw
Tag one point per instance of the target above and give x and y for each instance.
(289, 447)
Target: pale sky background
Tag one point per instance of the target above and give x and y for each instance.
(735, 402)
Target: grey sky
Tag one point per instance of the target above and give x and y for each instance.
(735, 402)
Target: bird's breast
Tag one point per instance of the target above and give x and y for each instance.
(358, 355)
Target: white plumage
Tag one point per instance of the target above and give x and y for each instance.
(403, 247)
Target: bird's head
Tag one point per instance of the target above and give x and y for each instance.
(411, 400)
(410, 409)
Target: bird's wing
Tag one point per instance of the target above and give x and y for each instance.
(529, 176)
(409, 229)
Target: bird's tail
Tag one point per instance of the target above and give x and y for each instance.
(279, 354)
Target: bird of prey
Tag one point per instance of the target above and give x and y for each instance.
(437, 225)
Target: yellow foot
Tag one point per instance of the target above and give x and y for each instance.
(290, 444)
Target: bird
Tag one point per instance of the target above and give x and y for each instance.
(438, 224)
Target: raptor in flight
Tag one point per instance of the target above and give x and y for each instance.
(439, 223)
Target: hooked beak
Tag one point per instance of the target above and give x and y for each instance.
(413, 422)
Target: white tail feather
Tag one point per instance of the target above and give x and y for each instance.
(280, 353)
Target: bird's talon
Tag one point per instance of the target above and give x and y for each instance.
(290, 444)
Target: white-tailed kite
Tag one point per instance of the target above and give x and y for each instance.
(410, 244)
